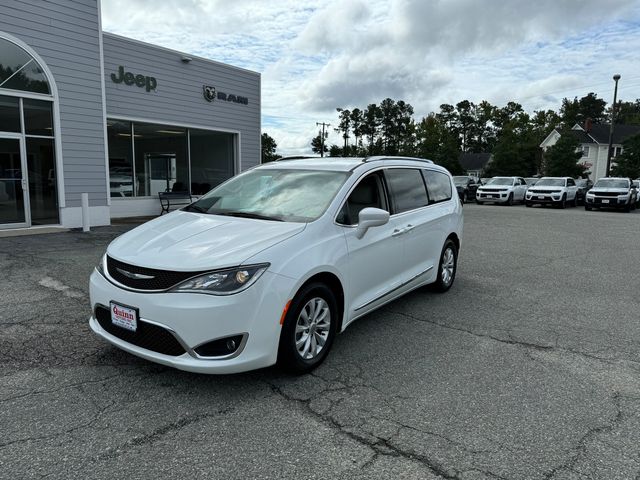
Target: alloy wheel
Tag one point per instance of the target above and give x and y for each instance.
(448, 266)
(312, 328)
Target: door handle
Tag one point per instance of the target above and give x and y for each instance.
(408, 228)
(397, 232)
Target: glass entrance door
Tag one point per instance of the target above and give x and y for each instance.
(13, 184)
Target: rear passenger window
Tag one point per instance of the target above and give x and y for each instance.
(438, 185)
(407, 189)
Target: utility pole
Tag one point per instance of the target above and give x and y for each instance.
(324, 125)
(616, 77)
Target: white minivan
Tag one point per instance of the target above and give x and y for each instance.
(269, 266)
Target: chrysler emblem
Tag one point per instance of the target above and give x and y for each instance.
(209, 93)
(135, 276)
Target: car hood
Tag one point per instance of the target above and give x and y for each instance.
(495, 187)
(546, 188)
(185, 241)
(622, 191)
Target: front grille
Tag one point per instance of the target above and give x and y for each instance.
(608, 194)
(147, 335)
(492, 190)
(161, 279)
(543, 191)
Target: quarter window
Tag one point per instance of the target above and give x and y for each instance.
(439, 186)
(407, 189)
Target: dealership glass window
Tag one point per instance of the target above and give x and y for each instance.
(41, 166)
(120, 158)
(162, 154)
(38, 117)
(20, 71)
(9, 114)
(211, 159)
(160, 159)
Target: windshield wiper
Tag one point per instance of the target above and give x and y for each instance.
(248, 215)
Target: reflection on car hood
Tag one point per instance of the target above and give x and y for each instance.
(608, 189)
(185, 241)
(546, 188)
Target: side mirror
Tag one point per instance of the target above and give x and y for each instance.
(370, 217)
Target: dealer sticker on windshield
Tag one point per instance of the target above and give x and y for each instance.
(124, 317)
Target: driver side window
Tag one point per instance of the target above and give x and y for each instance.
(368, 193)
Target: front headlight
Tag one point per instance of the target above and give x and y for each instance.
(223, 282)
(100, 266)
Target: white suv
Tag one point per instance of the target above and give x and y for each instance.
(502, 190)
(612, 192)
(269, 266)
(557, 191)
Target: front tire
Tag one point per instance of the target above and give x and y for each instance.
(527, 204)
(510, 199)
(587, 207)
(575, 201)
(563, 202)
(447, 267)
(309, 329)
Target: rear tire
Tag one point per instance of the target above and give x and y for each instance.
(447, 267)
(309, 329)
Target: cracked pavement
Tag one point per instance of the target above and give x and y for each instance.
(529, 368)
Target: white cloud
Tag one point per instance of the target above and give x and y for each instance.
(315, 55)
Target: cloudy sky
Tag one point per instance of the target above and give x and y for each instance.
(317, 55)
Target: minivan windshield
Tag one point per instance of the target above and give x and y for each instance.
(287, 195)
(550, 182)
(500, 181)
(611, 183)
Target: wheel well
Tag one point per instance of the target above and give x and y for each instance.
(333, 282)
(454, 238)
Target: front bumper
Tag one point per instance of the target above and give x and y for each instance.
(541, 198)
(194, 319)
(497, 197)
(606, 202)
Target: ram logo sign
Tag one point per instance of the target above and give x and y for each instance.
(210, 94)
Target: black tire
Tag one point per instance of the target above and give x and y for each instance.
(441, 285)
(575, 201)
(563, 202)
(527, 204)
(478, 202)
(289, 358)
(627, 208)
(587, 207)
(510, 199)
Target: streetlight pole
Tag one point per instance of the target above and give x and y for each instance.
(616, 77)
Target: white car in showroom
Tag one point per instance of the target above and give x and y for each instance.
(269, 266)
(556, 191)
(612, 192)
(504, 190)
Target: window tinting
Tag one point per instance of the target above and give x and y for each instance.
(20, 71)
(38, 119)
(9, 114)
(407, 189)
(439, 186)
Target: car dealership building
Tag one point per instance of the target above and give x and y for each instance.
(82, 111)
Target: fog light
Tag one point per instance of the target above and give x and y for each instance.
(220, 347)
(242, 276)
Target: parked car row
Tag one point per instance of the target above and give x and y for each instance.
(609, 192)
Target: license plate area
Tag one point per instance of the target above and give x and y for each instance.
(124, 316)
(540, 197)
(604, 200)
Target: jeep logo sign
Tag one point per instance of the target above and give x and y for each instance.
(210, 94)
(128, 78)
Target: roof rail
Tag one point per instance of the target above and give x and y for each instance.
(294, 157)
(377, 158)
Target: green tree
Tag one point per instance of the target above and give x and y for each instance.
(435, 141)
(561, 160)
(318, 144)
(344, 125)
(372, 118)
(357, 121)
(627, 113)
(268, 149)
(578, 110)
(517, 150)
(628, 163)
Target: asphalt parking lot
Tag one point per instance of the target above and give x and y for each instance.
(529, 368)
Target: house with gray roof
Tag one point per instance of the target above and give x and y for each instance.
(594, 142)
(474, 163)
